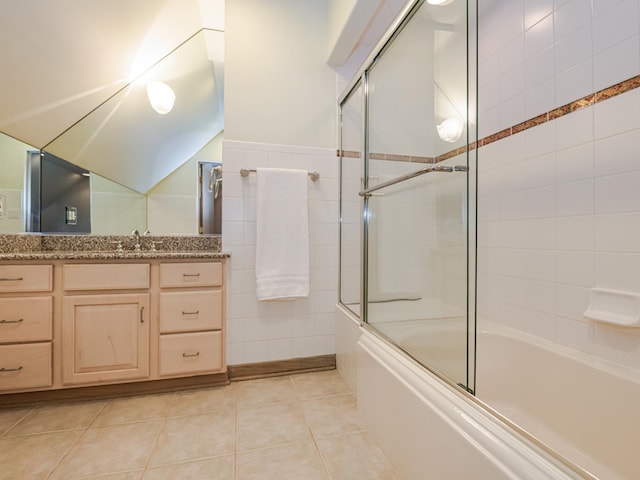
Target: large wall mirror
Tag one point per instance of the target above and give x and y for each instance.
(145, 165)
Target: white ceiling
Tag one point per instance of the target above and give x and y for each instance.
(62, 59)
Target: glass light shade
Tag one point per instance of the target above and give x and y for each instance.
(161, 97)
(450, 130)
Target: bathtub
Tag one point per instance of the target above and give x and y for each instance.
(585, 410)
(534, 416)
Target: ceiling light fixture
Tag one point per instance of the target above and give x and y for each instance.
(437, 2)
(161, 97)
(450, 130)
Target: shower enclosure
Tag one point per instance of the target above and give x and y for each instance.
(407, 190)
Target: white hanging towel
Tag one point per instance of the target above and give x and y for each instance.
(282, 228)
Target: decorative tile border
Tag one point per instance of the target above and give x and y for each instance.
(586, 101)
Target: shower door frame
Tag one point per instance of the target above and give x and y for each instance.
(361, 80)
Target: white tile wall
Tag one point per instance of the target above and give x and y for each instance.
(559, 204)
(264, 331)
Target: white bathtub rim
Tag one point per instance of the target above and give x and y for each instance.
(507, 446)
(611, 368)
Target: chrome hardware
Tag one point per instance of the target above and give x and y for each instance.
(154, 243)
(244, 172)
(17, 279)
(417, 173)
(136, 235)
(191, 313)
(2, 369)
(187, 355)
(12, 321)
(141, 314)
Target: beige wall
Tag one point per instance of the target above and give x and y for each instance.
(278, 87)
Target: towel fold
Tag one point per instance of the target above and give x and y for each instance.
(282, 234)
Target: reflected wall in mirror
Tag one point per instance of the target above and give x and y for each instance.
(170, 208)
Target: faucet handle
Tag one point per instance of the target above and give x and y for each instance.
(154, 243)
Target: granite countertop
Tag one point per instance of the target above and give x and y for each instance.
(98, 247)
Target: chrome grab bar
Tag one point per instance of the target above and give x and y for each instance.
(431, 168)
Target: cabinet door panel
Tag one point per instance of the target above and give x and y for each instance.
(105, 337)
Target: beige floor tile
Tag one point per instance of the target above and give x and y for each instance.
(9, 417)
(135, 409)
(55, 418)
(194, 437)
(33, 456)
(335, 415)
(265, 391)
(219, 468)
(355, 456)
(319, 384)
(290, 462)
(205, 400)
(270, 426)
(109, 449)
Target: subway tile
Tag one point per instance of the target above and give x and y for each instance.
(572, 301)
(570, 16)
(617, 63)
(575, 198)
(617, 154)
(575, 163)
(617, 193)
(575, 268)
(574, 48)
(535, 11)
(575, 233)
(615, 25)
(618, 233)
(575, 82)
(617, 271)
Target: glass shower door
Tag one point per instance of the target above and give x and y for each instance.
(415, 199)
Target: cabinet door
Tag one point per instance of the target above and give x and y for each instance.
(105, 338)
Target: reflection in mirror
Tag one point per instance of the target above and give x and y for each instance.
(129, 142)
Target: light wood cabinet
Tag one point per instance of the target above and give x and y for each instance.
(105, 337)
(191, 319)
(75, 323)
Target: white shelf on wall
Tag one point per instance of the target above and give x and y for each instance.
(614, 307)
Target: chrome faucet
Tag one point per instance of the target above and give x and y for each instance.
(136, 236)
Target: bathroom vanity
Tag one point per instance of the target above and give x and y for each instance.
(72, 318)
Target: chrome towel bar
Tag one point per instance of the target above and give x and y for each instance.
(431, 168)
(244, 172)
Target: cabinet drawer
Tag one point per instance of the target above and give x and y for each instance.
(25, 366)
(105, 276)
(25, 319)
(191, 274)
(26, 278)
(190, 353)
(190, 311)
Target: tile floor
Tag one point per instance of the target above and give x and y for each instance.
(302, 427)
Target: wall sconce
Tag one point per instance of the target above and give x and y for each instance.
(438, 2)
(161, 97)
(450, 130)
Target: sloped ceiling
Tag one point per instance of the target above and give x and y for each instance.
(62, 60)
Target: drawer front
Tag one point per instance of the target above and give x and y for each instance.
(198, 274)
(190, 311)
(105, 276)
(25, 366)
(190, 353)
(26, 278)
(25, 319)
